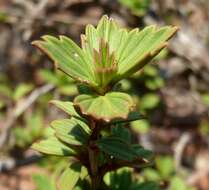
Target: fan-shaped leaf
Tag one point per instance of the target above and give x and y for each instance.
(68, 57)
(110, 106)
(141, 47)
(109, 53)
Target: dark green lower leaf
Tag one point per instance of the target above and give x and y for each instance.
(143, 153)
(121, 132)
(117, 148)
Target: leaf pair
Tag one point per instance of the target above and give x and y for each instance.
(108, 54)
(68, 134)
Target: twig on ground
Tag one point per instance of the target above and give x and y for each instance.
(9, 164)
(179, 149)
(20, 108)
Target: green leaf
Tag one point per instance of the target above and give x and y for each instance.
(150, 70)
(140, 47)
(117, 148)
(4, 17)
(125, 85)
(141, 126)
(138, 8)
(68, 57)
(35, 125)
(121, 132)
(70, 177)
(54, 147)
(151, 174)
(22, 90)
(83, 173)
(49, 77)
(113, 105)
(178, 184)
(2, 104)
(68, 90)
(142, 153)
(149, 101)
(5, 90)
(109, 53)
(204, 128)
(149, 186)
(71, 131)
(66, 107)
(120, 179)
(132, 116)
(205, 98)
(165, 166)
(133, 49)
(43, 181)
(22, 137)
(154, 83)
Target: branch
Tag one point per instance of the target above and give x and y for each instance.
(180, 146)
(20, 108)
(9, 164)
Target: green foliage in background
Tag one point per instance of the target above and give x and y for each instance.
(33, 130)
(137, 7)
(165, 173)
(64, 85)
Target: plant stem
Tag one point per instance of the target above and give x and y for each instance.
(93, 159)
(93, 156)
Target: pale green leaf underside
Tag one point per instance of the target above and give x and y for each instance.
(69, 177)
(53, 146)
(68, 57)
(112, 105)
(67, 107)
(71, 131)
(133, 49)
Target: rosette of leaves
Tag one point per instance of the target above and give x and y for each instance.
(95, 134)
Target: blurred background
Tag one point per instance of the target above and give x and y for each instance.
(173, 91)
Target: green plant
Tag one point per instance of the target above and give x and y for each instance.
(33, 130)
(96, 136)
(137, 7)
(43, 181)
(165, 174)
(64, 85)
(14, 95)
